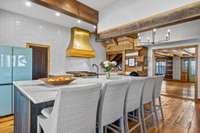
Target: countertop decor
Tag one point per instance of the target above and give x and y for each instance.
(58, 80)
(107, 67)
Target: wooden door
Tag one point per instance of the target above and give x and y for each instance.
(184, 69)
(188, 70)
(40, 62)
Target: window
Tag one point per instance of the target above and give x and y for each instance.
(160, 67)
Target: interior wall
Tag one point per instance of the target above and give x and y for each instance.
(184, 31)
(17, 30)
(176, 68)
(122, 12)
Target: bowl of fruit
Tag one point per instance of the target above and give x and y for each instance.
(58, 80)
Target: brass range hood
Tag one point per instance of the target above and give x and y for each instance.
(79, 45)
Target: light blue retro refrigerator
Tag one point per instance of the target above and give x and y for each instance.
(15, 65)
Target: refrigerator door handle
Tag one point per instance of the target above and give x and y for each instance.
(6, 84)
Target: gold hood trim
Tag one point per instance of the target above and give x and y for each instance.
(79, 45)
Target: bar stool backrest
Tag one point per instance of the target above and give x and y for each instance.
(75, 109)
(134, 94)
(158, 86)
(112, 101)
(148, 91)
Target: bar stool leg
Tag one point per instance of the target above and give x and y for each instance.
(38, 128)
(153, 111)
(143, 119)
(140, 120)
(122, 125)
(126, 123)
(156, 113)
(100, 129)
(161, 109)
(106, 129)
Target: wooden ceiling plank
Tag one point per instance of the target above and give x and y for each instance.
(72, 8)
(175, 16)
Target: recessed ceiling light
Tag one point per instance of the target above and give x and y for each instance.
(57, 14)
(94, 26)
(79, 21)
(17, 22)
(28, 3)
(154, 30)
(148, 38)
(41, 27)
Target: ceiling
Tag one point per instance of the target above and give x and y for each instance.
(43, 13)
(97, 4)
(181, 52)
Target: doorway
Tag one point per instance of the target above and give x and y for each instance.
(179, 67)
(41, 60)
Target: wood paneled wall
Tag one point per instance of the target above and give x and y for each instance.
(127, 48)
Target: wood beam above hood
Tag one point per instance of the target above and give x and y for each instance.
(72, 8)
(175, 16)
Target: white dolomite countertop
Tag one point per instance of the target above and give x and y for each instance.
(38, 92)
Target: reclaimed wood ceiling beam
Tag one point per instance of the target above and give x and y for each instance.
(189, 53)
(179, 15)
(72, 8)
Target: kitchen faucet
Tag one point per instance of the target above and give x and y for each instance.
(97, 67)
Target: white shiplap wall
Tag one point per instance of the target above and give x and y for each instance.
(17, 30)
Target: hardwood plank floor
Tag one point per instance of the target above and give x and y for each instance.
(6, 124)
(178, 89)
(181, 116)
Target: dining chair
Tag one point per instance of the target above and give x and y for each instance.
(157, 90)
(74, 111)
(147, 98)
(133, 103)
(111, 106)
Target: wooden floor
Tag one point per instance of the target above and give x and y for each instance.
(6, 124)
(178, 89)
(181, 116)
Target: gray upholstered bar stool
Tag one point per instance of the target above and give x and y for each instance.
(133, 103)
(157, 90)
(147, 98)
(111, 106)
(74, 111)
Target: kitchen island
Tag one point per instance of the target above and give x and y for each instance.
(30, 97)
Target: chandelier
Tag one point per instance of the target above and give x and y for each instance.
(153, 40)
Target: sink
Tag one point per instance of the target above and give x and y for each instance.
(103, 77)
(111, 77)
